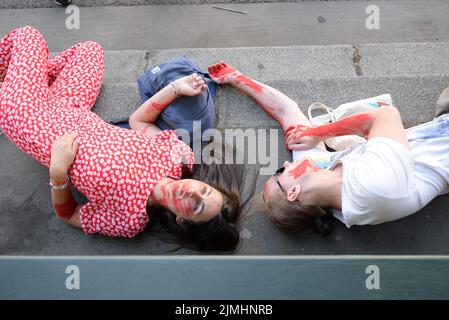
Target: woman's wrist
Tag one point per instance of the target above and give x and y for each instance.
(58, 176)
(175, 88)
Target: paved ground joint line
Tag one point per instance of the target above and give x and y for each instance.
(147, 59)
(356, 57)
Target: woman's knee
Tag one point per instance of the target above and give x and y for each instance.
(28, 35)
(29, 30)
(92, 47)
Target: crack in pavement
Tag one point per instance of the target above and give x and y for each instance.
(356, 57)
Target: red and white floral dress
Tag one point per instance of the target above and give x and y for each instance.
(115, 168)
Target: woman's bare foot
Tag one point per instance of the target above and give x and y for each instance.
(223, 73)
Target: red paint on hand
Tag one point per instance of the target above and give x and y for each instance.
(222, 72)
(294, 130)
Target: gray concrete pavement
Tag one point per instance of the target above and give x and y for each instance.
(28, 226)
(266, 24)
(22, 4)
(326, 73)
(305, 73)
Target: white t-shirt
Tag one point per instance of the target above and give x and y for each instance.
(321, 157)
(384, 181)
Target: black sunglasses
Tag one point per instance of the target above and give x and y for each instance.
(275, 177)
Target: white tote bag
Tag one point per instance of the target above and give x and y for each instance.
(344, 110)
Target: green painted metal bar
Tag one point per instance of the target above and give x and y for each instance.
(224, 277)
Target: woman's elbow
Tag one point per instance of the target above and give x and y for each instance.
(133, 121)
(389, 110)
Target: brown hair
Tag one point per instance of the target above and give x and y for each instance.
(292, 216)
(221, 233)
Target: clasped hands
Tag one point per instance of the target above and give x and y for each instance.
(299, 137)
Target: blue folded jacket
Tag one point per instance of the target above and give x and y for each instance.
(181, 113)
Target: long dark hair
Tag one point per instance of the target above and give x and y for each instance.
(222, 232)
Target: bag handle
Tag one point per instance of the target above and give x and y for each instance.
(319, 120)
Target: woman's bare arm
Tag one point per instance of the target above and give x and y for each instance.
(62, 155)
(275, 103)
(382, 122)
(145, 116)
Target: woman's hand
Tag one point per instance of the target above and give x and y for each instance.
(63, 154)
(190, 85)
(298, 138)
(222, 73)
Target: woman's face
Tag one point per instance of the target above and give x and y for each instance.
(192, 200)
(292, 173)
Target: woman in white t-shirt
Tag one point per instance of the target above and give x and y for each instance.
(394, 174)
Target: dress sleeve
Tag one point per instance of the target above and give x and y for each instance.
(180, 152)
(185, 152)
(98, 218)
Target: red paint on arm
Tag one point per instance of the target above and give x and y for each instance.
(65, 210)
(249, 83)
(359, 124)
(155, 106)
(144, 128)
(224, 73)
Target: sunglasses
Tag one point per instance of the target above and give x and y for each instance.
(276, 177)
